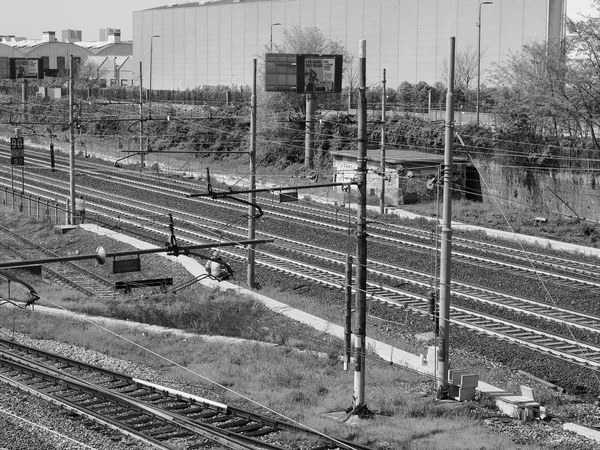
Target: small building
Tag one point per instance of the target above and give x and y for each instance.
(54, 54)
(410, 176)
(7, 52)
(108, 70)
(112, 46)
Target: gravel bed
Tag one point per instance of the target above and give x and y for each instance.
(28, 422)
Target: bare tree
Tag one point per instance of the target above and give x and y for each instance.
(465, 69)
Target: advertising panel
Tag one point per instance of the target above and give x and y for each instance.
(319, 73)
(26, 68)
(303, 74)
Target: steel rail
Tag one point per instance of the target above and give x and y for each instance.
(228, 417)
(338, 283)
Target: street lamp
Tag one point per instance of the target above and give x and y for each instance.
(150, 96)
(479, 57)
(272, 25)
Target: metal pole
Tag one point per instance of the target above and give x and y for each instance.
(348, 315)
(141, 118)
(71, 212)
(446, 237)
(150, 87)
(429, 104)
(252, 194)
(361, 234)
(383, 105)
(309, 132)
(479, 57)
(24, 99)
(272, 25)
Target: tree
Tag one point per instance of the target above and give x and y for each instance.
(581, 92)
(465, 69)
(282, 115)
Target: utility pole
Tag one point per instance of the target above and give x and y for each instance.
(383, 105)
(309, 132)
(24, 99)
(141, 118)
(361, 234)
(252, 193)
(446, 237)
(71, 212)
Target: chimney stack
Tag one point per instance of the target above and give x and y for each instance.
(49, 36)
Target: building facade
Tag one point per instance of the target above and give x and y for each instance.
(214, 42)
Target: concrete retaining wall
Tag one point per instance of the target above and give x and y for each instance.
(570, 193)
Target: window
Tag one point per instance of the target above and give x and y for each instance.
(60, 65)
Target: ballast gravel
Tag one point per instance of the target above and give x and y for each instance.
(28, 422)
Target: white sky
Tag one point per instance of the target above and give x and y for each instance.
(29, 18)
(577, 7)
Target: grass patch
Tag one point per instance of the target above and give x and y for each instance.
(300, 384)
(303, 385)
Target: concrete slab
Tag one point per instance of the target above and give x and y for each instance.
(62, 229)
(583, 431)
(425, 337)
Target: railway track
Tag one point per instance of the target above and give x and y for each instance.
(194, 226)
(154, 414)
(67, 273)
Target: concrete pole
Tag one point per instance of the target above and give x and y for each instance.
(252, 194)
(479, 58)
(309, 132)
(361, 234)
(383, 105)
(71, 211)
(141, 118)
(446, 237)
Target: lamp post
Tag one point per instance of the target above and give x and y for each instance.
(272, 25)
(479, 57)
(150, 94)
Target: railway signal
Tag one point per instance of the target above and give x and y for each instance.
(17, 151)
(101, 254)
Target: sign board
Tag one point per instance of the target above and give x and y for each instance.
(319, 73)
(303, 74)
(17, 151)
(281, 72)
(127, 265)
(4, 67)
(27, 68)
(290, 196)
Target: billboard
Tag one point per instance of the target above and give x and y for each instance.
(319, 73)
(27, 68)
(281, 72)
(303, 74)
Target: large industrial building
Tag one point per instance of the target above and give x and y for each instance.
(214, 42)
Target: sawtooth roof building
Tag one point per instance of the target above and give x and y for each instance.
(214, 42)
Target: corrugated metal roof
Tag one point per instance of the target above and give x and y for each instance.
(89, 45)
(204, 3)
(99, 61)
(26, 43)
